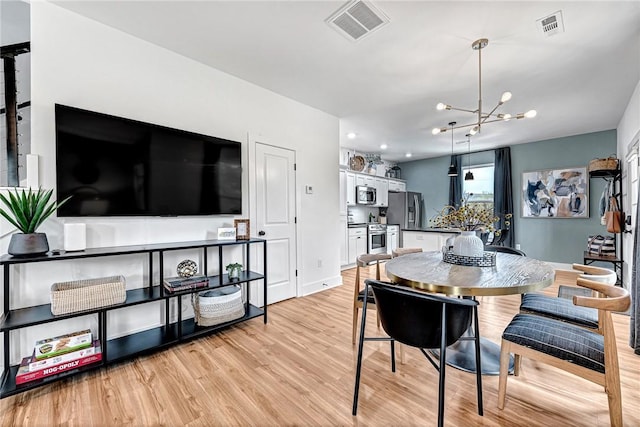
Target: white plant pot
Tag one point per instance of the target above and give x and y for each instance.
(468, 244)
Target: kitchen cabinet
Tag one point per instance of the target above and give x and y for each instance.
(349, 181)
(366, 180)
(397, 186)
(350, 188)
(343, 193)
(344, 241)
(427, 240)
(357, 243)
(382, 192)
(393, 232)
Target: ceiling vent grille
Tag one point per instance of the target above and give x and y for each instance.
(357, 19)
(552, 24)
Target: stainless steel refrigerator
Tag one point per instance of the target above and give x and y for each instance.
(405, 208)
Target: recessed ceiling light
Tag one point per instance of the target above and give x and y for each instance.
(408, 155)
(383, 147)
(351, 135)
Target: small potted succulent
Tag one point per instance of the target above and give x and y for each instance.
(234, 270)
(27, 210)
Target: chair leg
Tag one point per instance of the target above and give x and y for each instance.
(476, 340)
(505, 351)
(393, 355)
(355, 325)
(614, 396)
(363, 322)
(517, 365)
(442, 367)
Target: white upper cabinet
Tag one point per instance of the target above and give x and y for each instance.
(343, 192)
(351, 188)
(382, 192)
(397, 185)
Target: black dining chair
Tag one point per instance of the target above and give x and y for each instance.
(425, 321)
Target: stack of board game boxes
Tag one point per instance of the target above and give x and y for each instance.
(55, 355)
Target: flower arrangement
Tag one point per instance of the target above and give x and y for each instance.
(470, 217)
(467, 217)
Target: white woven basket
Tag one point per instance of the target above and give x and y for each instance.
(218, 306)
(80, 295)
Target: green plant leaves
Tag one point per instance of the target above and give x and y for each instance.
(27, 209)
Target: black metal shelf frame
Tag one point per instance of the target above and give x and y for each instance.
(126, 347)
(617, 261)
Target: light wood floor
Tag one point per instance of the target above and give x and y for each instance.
(299, 370)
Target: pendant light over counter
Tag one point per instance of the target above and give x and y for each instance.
(469, 175)
(453, 171)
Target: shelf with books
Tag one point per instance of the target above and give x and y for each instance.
(134, 344)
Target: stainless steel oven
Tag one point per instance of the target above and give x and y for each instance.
(376, 239)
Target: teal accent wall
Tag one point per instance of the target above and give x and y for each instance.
(560, 240)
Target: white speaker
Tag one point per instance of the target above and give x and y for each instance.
(75, 237)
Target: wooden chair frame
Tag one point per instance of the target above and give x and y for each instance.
(613, 299)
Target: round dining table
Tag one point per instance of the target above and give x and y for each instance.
(512, 274)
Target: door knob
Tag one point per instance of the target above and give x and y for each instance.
(261, 233)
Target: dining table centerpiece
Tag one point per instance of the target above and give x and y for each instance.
(470, 219)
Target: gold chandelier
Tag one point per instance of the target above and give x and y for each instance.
(482, 117)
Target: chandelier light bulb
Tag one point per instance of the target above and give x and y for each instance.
(436, 131)
(383, 146)
(531, 114)
(408, 155)
(351, 135)
(505, 117)
(474, 130)
(505, 97)
(441, 106)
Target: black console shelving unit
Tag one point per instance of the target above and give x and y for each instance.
(614, 175)
(129, 346)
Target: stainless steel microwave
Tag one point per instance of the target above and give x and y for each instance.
(365, 195)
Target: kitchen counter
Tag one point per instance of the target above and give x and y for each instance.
(433, 230)
(429, 239)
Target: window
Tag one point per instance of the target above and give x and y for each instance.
(480, 189)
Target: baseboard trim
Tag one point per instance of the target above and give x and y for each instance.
(321, 285)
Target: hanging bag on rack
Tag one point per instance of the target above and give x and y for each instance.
(614, 217)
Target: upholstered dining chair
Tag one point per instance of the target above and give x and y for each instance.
(363, 261)
(404, 251)
(563, 308)
(422, 320)
(590, 354)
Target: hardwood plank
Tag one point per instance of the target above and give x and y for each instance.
(299, 370)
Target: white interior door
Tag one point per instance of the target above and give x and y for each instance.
(275, 218)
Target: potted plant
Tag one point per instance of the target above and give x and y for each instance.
(234, 271)
(27, 210)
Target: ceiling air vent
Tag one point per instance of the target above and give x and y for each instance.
(357, 19)
(551, 24)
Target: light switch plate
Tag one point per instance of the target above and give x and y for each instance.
(308, 189)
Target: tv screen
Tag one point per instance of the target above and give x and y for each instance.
(112, 166)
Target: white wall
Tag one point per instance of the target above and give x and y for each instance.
(82, 63)
(628, 132)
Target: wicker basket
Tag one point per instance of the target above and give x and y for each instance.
(610, 163)
(218, 306)
(80, 295)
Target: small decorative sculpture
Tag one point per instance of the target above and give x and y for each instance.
(187, 268)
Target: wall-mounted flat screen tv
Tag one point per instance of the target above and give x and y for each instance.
(112, 166)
